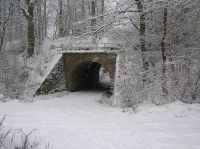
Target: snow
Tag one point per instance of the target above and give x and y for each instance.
(99, 50)
(76, 120)
(50, 66)
(42, 64)
(73, 45)
(50, 58)
(104, 76)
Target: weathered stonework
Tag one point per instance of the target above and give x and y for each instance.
(78, 71)
(55, 81)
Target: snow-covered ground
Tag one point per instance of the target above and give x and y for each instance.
(77, 121)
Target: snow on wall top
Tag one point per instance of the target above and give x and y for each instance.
(89, 51)
(68, 45)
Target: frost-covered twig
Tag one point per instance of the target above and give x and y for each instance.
(3, 132)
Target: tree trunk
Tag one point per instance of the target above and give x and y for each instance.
(61, 27)
(142, 30)
(2, 24)
(83, 9)
(1, 18)
(93, 22)
(163, 50)
(39, 22)
(2, 37)
(45, 18)
(31, 37)
(75, 14)
(31, 31)
(89, 6)
(70, 17)
(4, 21)
(102, 9)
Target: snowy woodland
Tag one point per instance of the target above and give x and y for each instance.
(158, 64)
(160, 46)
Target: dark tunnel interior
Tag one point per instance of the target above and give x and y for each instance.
(86, 76)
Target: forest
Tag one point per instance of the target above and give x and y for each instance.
(159, 40)
(158, 61)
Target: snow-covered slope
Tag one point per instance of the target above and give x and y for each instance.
(77, 121)
(42, 64)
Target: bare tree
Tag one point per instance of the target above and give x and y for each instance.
(142, 30)
(93, 21)
(83, 8)
(45, 18)
(39, 23)
(61, 26)
(102, 9)
(163, 50)
(29, 15)
(5, 18)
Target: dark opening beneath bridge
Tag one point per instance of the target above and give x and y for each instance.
(90, 75)
(81, 71)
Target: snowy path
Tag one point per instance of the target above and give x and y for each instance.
(77, 121)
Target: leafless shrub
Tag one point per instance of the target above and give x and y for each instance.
(129, 105)
(10, 139)
(3, 132)
(28, 140)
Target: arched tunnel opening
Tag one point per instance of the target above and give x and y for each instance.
(81, 71)
(90, 76)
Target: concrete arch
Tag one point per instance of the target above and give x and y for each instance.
(82, 69)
